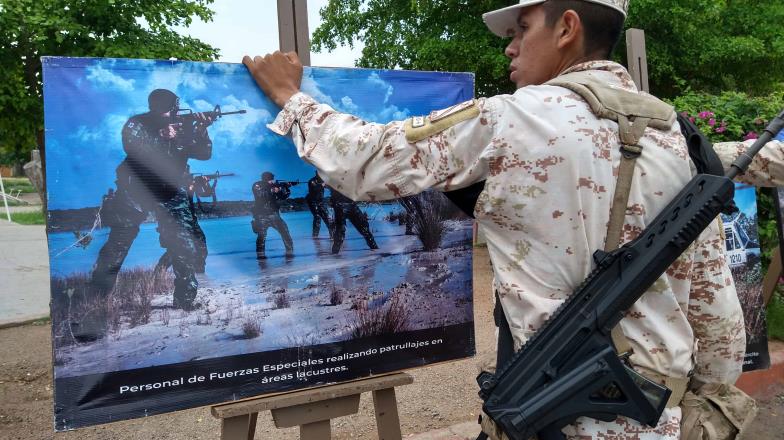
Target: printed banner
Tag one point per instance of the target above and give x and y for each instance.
(195, 259)
(742, 242)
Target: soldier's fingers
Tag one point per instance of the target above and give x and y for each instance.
(247, 61)
(293, 57)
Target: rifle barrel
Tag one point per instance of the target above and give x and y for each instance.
(232, 113)
(744, 160)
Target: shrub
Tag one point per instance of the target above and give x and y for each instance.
(281, 300)
(390, 318)
(336, 296)
(429, 218)
(730, 116)
(251, 328)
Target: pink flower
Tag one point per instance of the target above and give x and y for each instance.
(750, 135)
(685, 114)
(691, 119)
(711, 122)
(706, 115)
(721, 129)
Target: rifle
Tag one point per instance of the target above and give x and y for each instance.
(185, 118)
(570, 368)
(217, 175)
(287, 183)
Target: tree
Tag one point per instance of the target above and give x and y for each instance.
(712, 45)
(444, 35)
(30, 29)
(702, 45)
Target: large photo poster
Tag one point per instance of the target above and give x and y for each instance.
(742, 243)
(195, 259)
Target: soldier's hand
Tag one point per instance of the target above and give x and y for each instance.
(278, 74)
(204, 120)
(170, 131)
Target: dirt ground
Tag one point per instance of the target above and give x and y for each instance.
(441, 395)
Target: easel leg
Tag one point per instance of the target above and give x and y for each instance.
(315, 431)
(239, 428)
(387, 420)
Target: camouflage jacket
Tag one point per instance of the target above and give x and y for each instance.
(550, 168)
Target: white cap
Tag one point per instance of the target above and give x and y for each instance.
(503, 22)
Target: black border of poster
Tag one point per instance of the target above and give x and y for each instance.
(110, 397)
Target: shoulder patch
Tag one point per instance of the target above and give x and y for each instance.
(419, 127)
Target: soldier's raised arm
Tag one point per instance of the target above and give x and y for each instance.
(767, 168)
(368, 161)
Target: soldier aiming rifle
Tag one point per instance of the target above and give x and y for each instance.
(154, 178)
(267, 193)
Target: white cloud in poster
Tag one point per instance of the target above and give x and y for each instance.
(103, 78)
(237, 129)
(107, 135)
(376, 80)
(386, 112)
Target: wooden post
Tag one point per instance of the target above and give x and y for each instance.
(293, 28)
(636, 58)
(312, 409)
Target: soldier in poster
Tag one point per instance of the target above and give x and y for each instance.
(152, 178)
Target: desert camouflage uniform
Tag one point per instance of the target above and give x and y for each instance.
(550, 168)
(767, 168)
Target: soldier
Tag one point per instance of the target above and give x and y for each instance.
(317, 205)
(549, 158)
(153, 178)
(347, 208)
(266, 213)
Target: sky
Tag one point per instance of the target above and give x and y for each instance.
(250, 27)
(88, 100)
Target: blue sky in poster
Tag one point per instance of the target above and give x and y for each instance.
(746, 199)
(87, 101)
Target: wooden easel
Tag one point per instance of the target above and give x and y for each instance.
(313, 409)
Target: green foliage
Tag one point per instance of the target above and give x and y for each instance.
(445, 35)
(30, 29)
(733, 116)
(28, 218)
(775, 317)
(14, 184)
(705, 45)
(767, 226)
(730, 116)
(711, 45)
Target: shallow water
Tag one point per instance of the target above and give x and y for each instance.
(232, 260)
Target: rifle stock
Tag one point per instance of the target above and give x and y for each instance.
(565, 369)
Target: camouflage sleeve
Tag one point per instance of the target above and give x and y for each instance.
(136, 140)
(767, 168)
(714, 312)
(369, 161)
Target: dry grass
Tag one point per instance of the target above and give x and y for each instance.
(281, 300)
(336, 296)
(251, 328)
(429, 219)
(390, 318)
(75, 301)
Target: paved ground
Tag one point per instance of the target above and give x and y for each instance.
(24, 268)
